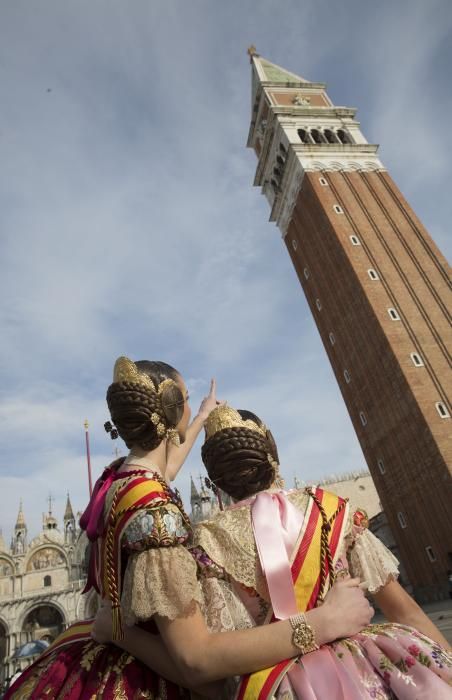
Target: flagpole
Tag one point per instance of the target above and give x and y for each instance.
(88, 458)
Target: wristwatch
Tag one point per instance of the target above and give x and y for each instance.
(303, 634)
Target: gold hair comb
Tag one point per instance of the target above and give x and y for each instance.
(126, 371)
(227, 417)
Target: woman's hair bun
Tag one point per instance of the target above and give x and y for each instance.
(143, 408)
(236, 461)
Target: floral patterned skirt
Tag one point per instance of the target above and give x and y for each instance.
(383, 662)
(82, 669)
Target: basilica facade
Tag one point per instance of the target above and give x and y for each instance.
(41, 584)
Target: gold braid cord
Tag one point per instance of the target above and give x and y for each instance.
(112, 578)
(325, 551)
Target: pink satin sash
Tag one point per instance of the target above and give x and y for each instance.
(92, 520)
(276, 525)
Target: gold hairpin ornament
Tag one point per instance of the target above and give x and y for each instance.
(166, 383)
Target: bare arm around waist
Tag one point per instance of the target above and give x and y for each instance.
(200, 657)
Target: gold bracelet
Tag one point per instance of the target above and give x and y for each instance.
(303, 634)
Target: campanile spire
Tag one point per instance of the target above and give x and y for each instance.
(378, 289)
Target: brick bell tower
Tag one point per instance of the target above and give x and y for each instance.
(378, 289)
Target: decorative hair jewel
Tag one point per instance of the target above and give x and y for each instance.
(225, 416)
(166, 383)
(110, 429)
(278, 481)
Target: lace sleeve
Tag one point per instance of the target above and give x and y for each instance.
(372, 561)
(160, 581)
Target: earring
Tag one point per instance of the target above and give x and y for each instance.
(173, 436)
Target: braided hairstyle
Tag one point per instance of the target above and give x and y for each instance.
(237, 461)
(131, 406)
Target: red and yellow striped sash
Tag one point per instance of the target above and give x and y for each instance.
(79, 631)
(128, 499)
(306, 576)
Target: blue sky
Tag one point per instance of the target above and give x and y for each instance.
(129, 224)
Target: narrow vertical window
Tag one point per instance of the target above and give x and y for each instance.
(330, 136)
(294, 243)
(355, 240)
(47, 580)
(363, 418)
(343, 136)
(338, 209)
(347, 376)
(402, 519)
(430, 553)
(332, 338)
(373, 275)
(442, 409)
(381, 466)
(323, 182)
(393, 314)
(416, 359)
(317, 135)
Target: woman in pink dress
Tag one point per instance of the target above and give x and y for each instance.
(276, 553)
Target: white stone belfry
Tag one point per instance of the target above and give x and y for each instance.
(295, 128)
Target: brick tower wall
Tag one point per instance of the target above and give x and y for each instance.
(404, 428)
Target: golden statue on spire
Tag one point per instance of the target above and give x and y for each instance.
(252, 51)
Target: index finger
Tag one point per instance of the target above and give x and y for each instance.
(213, 387)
